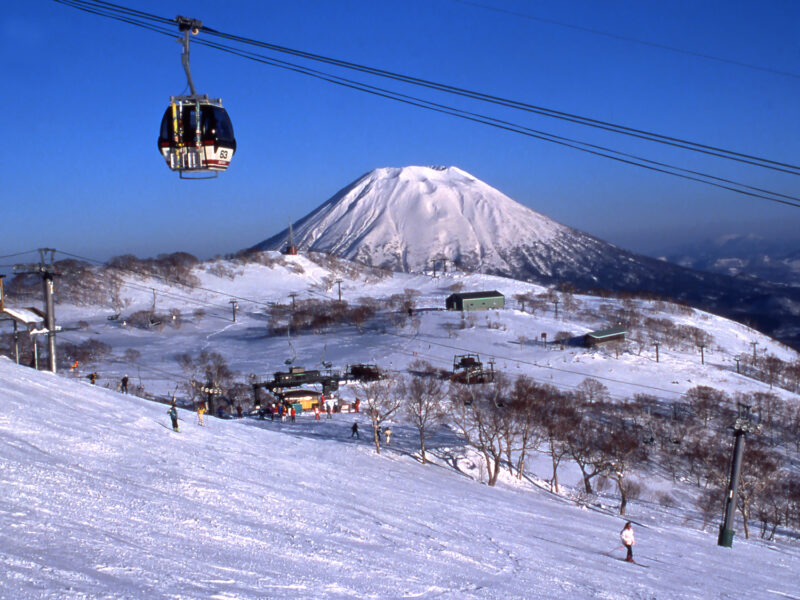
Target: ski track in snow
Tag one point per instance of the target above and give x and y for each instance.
(102, 502)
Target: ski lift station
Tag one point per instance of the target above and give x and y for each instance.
(475, 300)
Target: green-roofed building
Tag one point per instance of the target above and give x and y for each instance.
(604, 336)
(475, 300)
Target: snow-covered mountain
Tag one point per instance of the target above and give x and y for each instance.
(405, 218)
(743, 256)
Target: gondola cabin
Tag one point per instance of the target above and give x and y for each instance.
(196, 136)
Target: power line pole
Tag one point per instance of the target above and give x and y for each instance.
(234, 305)
(741, 428)
(555, 301)
(738, 360)
(46, 269)
(293, 295)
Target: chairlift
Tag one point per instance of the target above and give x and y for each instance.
(196, 137)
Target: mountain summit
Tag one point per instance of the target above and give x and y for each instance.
(403, 218)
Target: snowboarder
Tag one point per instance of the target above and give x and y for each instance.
(354, 430)
(388, 433)
(627, 540)
(92, 377)
(173, 414)
(123, 385)
(201, 409)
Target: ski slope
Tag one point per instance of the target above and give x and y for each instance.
(102, 500)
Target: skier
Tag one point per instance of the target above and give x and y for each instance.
(354, 430)
(358, 403)
(123, 385)
(238, 411)
(92, 377)
(201, 409)
(388, 433)
(291, 412)
(173, 414)
(316, 413)
(328, 410)
(627, 540)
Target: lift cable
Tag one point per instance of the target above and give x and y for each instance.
(633, 40)
(486, 120)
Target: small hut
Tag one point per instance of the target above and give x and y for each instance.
(475, 300)
(604, 336)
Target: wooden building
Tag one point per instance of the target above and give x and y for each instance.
(475, 300)
(604, 336)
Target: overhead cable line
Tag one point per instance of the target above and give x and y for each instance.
(594, 149)
(633, 40)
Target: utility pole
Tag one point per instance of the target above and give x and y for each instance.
(46, 269)
(339, 283)
(702, 354)
(234, 305)
(656, 345)
(741, 428)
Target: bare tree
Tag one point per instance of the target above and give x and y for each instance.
(479, 416)
(706, 402)
(625, 452)
(592, 391)
(423, 401)
(382, 399)
(524, 408)
(557, 417)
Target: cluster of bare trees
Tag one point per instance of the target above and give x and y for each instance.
(610, 441)
(176, 267)
(319, 315)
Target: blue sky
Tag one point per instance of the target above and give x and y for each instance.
(83, 98)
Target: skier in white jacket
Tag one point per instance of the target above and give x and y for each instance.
(627, 540)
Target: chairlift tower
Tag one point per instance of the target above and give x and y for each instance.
(741, 428)
(47, 270)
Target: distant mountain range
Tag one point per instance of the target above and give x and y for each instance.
(742, 256)
(407, 218)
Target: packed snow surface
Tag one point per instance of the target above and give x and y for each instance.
(102, 500)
